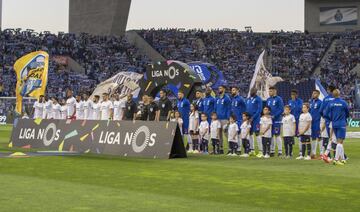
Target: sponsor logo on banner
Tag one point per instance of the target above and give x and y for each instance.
(130, 138)
(47, 135)
(148, 141)
(171, 73)
(353, 122)
(2, 120)
(124, 138)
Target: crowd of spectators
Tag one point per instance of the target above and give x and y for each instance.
(232, 52)
(293, 56)
(175, 44)
(337, 68)
(100, 56)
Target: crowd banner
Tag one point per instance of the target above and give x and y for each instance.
(122, 84)
(209, 74)
(262, 79)
(338, 16)
(32, 75)
(122, 138)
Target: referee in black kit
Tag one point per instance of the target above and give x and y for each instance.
(152, 109)
(143, 109)
(165, 107)
(130, 108)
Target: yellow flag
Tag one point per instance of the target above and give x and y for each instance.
(32, 75)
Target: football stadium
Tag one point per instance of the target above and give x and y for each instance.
(109, 115)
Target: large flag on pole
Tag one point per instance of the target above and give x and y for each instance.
(319, 87)
(32, 75)
(262, 79)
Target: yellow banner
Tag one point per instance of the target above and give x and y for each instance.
(32, 75)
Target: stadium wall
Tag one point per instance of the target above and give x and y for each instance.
(312, 15)
(99, 17)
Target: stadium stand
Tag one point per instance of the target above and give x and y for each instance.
(293, 56)
(100, 56)
(232, 52)
(337, 69)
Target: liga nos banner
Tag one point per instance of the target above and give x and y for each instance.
(122, 84)
(262, 79)
(32, 75)
(122, 138)
(338, 16)
(172, 75)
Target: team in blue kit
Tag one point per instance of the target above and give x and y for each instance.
(223, 111)
(315, 105)
(324, 107)
(208, 104)
(223, 105)
(337, 113)
(276, 105)
(254, 106)
(199, 101)
(295, 104)
(238, 107)
(183, 106)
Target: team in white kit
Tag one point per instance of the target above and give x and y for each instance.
(80, 107)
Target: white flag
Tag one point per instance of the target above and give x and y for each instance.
(262, 79)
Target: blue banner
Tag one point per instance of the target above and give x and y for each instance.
(209, 74)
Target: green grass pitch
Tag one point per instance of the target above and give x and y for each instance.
(197, 183)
